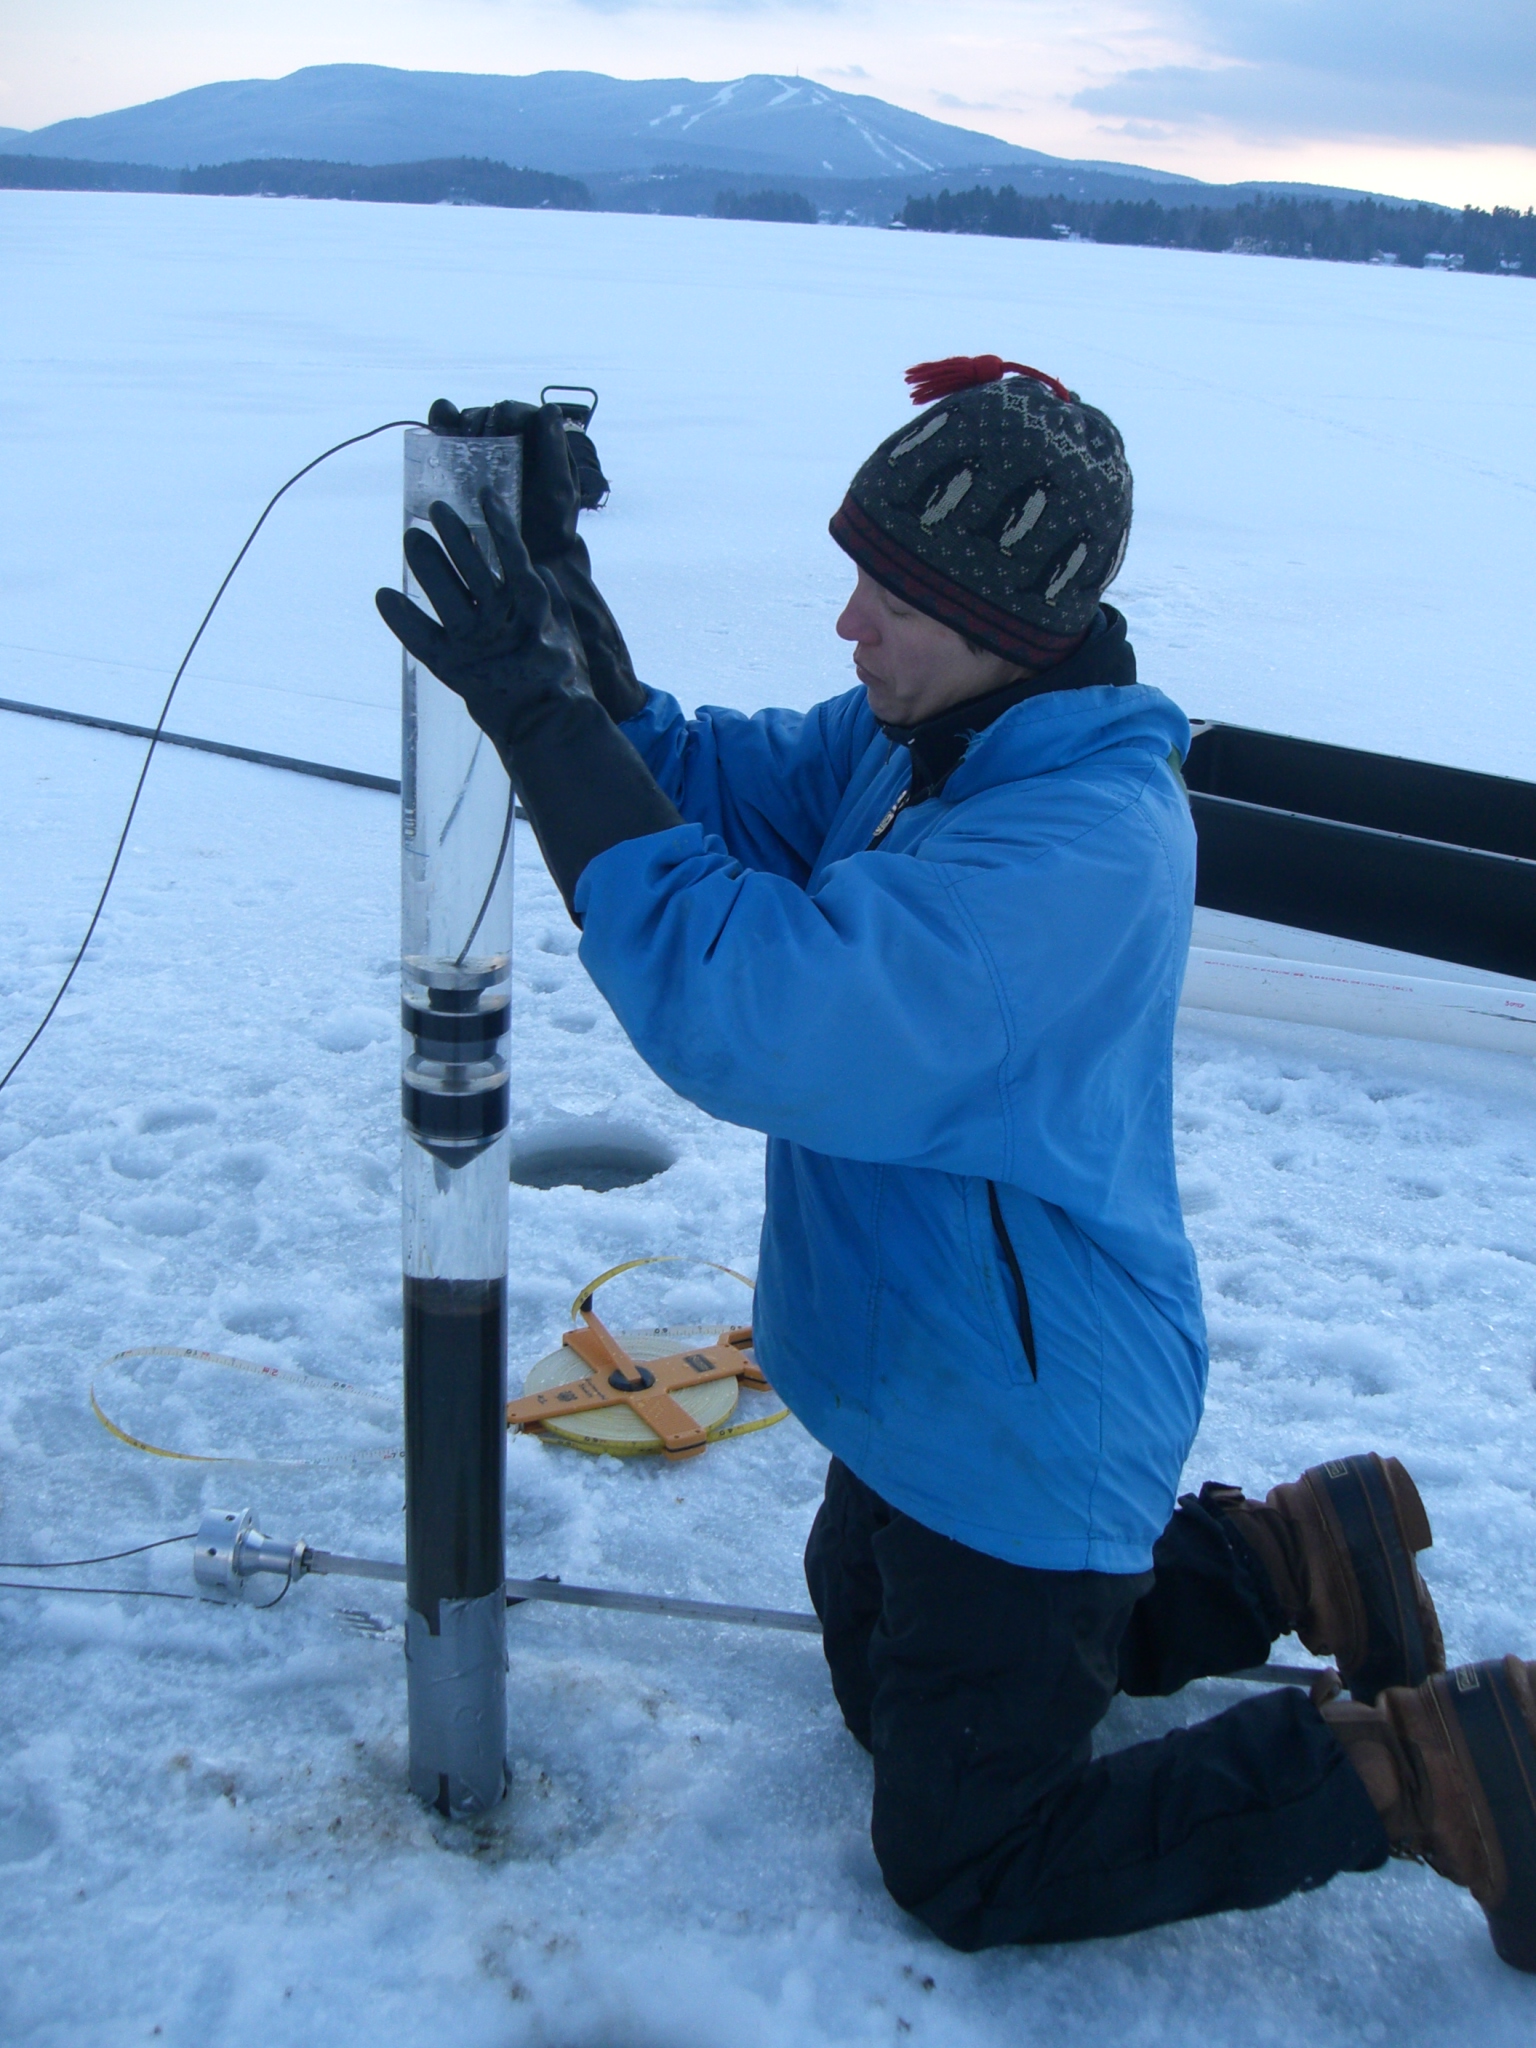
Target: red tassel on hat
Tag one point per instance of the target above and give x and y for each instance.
(960, 373)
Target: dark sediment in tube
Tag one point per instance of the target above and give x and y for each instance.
(455, 1402)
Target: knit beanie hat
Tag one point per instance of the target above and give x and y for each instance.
(1003, 512)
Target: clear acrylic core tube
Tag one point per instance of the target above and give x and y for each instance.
(456, 956)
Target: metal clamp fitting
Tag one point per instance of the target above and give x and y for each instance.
(230, 1550)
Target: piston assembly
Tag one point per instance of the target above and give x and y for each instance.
(456, 810)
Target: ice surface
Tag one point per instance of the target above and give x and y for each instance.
(203, 1823)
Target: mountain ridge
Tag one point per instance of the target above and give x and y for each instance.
(570, 121)
(576, 123)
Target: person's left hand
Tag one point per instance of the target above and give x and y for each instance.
(507, 417)
(506, 643)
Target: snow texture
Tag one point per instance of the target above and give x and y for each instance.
(204, 1829)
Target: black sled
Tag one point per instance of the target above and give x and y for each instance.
(1423, 859)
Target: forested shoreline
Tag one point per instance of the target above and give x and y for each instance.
(466, 181)
(1491, 241)
(1360, 231)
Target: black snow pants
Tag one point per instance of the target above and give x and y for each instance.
(976, 1685)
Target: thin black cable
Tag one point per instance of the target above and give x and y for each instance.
(65, 1564)
(149, 752)
(490, 889)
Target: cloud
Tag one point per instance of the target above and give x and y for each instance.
(1474, 46)
(1141, 131)
(1427, 70)
(955, 104)
(841, 71)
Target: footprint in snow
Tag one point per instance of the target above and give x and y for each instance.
(162, 1216)
(175, 1116)
(352, 1030)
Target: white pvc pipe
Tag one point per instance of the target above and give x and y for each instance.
(1350, 998)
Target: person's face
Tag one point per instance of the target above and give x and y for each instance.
(912, 666)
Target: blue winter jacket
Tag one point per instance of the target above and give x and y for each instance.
(960, 1047)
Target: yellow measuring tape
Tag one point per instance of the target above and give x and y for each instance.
(617, 1447)
(275, 1373)
(584, 1298)
(309, 1384)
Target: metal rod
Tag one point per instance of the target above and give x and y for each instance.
(676, 1609)
(287, 762)
(290, 764)
(1276, 1674)
(338, 1564)
(661, 1603)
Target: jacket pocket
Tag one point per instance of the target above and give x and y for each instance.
(1021, 1292)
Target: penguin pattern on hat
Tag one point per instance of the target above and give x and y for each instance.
(1003, 512)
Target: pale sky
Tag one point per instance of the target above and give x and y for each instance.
(1434, 99)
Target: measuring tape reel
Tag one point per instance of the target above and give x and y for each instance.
(628, 1393)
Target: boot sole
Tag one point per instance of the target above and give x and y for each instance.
(1377, 1519)
(1501, 1749)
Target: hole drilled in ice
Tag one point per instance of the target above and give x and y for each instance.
(588, 1152)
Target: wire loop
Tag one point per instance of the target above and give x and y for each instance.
(165, 712)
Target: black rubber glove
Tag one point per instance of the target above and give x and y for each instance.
(503, 420)
(507, 645)
(551, 501)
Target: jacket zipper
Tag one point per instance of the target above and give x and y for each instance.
(1011, 1258)
(889, 819)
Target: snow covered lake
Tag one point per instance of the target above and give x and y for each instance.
(205, 1836)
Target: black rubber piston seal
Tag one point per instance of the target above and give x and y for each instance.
(462, 1116)
(464, 1035)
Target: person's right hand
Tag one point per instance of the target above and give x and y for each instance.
(550, 504)
(504, 641)
(499, 640)
(551, 501)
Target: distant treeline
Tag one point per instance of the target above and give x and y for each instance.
(1360, 231)
(68, 174)
(469, 181)
(765, 206)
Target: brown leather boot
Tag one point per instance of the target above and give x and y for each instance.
(1450, 1766)
(1338, 1546)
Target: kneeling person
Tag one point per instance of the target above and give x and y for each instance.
(929, 937)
